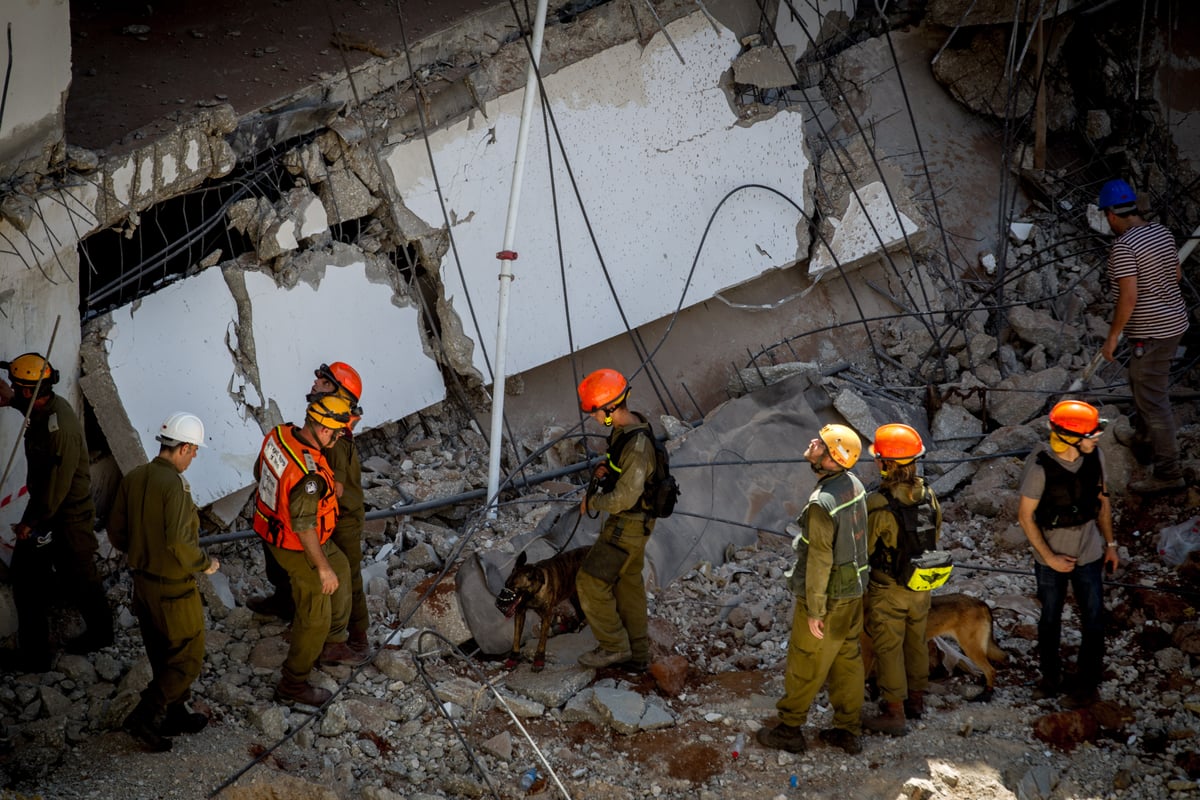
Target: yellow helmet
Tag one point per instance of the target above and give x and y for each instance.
(29, 368)
(844, 445)
(330, 411)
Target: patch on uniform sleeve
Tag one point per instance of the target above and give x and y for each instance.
(52, 423)
(311, 486)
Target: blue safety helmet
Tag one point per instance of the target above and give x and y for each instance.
(1116, 194)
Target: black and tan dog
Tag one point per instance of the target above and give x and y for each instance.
(539, 587)
(969, 622)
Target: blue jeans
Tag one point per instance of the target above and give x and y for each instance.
(1087, 583)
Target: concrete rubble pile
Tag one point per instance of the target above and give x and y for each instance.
(726, 615)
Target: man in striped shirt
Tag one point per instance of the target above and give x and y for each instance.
(1144, 273)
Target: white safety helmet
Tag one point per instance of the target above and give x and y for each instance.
(181, 427)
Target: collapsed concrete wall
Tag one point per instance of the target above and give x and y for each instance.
(38, 38)
(653, 146)
(237, 346)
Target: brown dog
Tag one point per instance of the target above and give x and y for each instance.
(539, 587)
(969, 622)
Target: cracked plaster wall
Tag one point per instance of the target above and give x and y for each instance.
(654, 146)
(237, 346)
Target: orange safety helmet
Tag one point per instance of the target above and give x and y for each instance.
(344, 377)
(897, 442)
(604, 388)
(1076, 418)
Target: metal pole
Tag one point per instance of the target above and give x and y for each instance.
(507, 256)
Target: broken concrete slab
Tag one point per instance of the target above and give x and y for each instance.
(869, 226)
(766, 67)
(552, 687)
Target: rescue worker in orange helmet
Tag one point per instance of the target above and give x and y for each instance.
(1066, 515)
(56, 532)
(295, 511)
(612, 592)
(828, 581)
(342, 380)
(904, 520)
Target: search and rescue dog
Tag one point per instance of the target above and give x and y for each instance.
(539, 587)
(969, 622)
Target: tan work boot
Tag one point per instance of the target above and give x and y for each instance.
(342, 653)
(914, 706)
(602, 658)
(289, 692)
(783, 737)
(890, 720)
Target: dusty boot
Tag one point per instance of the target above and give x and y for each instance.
(839, 737)
(272, 605)
(142, 724)
(890, 720)
(289, 692)
(783, 737)
(914, 706)
(359, 644)
(342, 653)
(181, 719)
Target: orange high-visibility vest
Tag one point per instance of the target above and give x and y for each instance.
(284, 462)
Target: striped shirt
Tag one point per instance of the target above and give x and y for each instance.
(1147, 252)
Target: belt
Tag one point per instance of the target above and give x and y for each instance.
(160, 579)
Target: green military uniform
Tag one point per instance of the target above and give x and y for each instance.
(347, 534)
(320, 617)
(828, 580)
(60, 507)
(155, 523)
(896, 615)
(616, 608)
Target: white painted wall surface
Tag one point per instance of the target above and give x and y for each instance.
(170, 351)
(35, 91)
(654, 147)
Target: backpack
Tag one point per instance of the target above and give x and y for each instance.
(662, 490)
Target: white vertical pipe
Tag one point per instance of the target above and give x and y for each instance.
(506, 274)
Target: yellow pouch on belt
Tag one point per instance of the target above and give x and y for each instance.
(929, 571)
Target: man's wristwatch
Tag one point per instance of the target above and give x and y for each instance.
(1111, 544)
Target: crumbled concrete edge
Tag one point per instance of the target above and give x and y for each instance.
(98, 387)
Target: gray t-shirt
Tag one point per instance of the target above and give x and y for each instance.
(1084, 542)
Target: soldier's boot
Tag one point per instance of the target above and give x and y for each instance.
(343, 653)
(890, 720)
(181, 719)
(359, 644)
(289, 692)
(840, 737)
(782, 737)
(914, 706)
(142, 724)
(272, 605)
